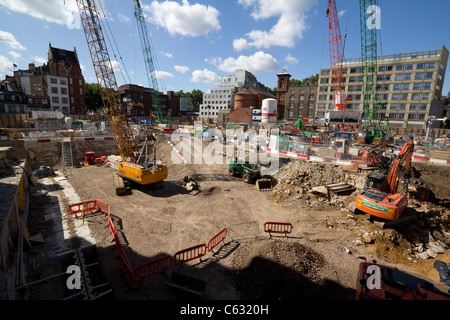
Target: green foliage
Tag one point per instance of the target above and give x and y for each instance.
(314, 80)
(196, 97)
(93, 97)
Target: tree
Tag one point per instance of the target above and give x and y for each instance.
(196, 97)
(314, 80)
(93, 97)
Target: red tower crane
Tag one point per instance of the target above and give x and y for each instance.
(336, 56)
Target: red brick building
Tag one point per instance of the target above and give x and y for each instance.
(64, 63)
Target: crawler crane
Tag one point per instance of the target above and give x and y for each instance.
(136, 165)
(381, 196)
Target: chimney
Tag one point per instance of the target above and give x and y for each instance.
(31, 66)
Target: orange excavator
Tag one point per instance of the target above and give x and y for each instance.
(381, 196)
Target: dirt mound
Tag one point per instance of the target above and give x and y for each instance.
(305, 182)
(274, 269)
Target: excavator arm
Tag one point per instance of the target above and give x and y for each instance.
(402, 163)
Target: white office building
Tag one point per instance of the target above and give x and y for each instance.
(221, 98)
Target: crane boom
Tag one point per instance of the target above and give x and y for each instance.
(104, 72)
(136, 165)
(336, 56)
(148, 59)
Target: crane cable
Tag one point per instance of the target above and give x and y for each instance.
(115, 44)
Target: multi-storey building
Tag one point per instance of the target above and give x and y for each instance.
(138, 101)
(221, 98)
(64, 63)
(406, 86)
(301, 102)
(60, 82)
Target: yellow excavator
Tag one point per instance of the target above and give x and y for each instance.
(136, 165)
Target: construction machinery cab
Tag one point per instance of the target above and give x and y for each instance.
(376, 181)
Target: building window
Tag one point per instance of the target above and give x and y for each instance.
(63, 82)
(325, 73)
(355, 79)
(398, 106)
(396, 116)
(354, 88)
(64, 100)
(382, 97)
(399, 96)
(384, 77)
(401, 86)
(64, 91)
(418, 106)
(424, 75)
(385, 68)
(323, 89)
(322, 98)
(422, 86)
(429, 65)
(404, 67)
(322, 106)
(53, 80)
(416, 116)
(55, 99)
(54, 90)
(324, 80)
(404, 76)
(420, 96)
(384, 87)
(356, 70)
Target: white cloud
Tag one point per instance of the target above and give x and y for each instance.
(184, 19)
(40, 60)
(168, 55)
(54, 11)
(6, 66)
(10, 40)
(341, 13)
(181, 69)
(48, 10)
(162, 75)
(124, 18)
(205, 76)
(290, 25)
(115, 65)
(289, 58)
(260, 62)
(15, 55)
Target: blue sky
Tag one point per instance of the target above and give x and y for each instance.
(197, 42)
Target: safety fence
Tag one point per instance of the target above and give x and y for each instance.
(166, 262)
(278, 227)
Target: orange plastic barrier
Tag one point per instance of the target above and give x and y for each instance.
(214, 241)
(153, 267)
(278, 227)
(189, 254)
(83, 206)
(103, 207)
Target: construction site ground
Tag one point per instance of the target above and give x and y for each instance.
(319, 259)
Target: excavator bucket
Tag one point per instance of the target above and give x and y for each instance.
(264, 184)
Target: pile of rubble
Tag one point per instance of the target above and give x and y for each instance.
(307, 182)
(426, 237)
